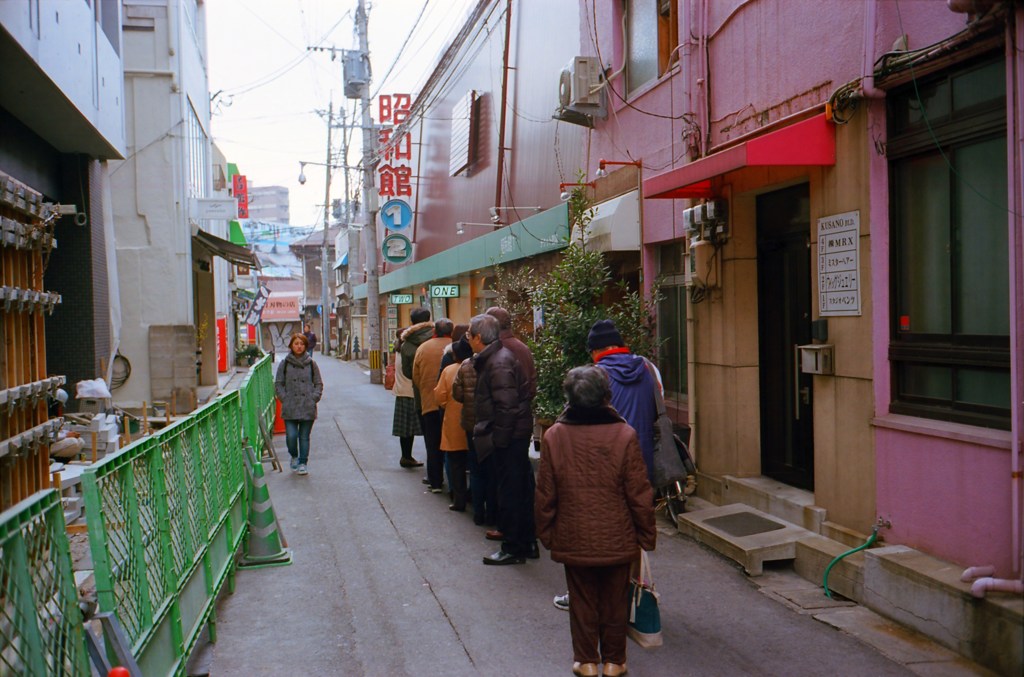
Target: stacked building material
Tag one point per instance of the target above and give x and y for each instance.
(26, 431)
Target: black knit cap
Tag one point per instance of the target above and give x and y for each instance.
(604, 335)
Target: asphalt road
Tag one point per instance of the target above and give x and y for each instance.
(387, 581)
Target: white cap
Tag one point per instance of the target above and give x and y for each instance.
(61, 395)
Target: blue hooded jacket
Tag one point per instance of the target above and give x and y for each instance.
(633, 397)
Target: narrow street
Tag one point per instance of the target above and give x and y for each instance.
(387, 581)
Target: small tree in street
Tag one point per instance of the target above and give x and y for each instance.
(571, 299)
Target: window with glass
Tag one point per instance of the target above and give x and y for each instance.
(950, 346)
(198, 154)
(652, 35)
(672, 323)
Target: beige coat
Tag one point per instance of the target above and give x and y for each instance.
(453, 437)
(425, 368)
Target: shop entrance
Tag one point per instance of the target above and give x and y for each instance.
(784, 319)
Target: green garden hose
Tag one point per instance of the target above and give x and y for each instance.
(871, 539)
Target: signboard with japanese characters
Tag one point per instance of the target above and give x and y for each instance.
(240, 191)
(394, 173)
(255, 312)
(839, 265)
(282, 307)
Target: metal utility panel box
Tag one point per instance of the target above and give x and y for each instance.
(355, 73)
(578, 82)
(817, 359)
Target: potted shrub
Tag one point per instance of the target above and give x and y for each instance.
(571, 299)
(247, 354)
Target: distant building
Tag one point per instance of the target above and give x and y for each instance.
(269, 203)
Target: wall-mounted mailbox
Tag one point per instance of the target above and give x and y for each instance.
(817, 359)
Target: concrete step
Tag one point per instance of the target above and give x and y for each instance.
(926, 594)
(744, 534)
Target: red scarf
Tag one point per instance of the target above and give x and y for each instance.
(614, 350)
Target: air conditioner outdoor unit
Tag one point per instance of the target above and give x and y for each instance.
(579, 83)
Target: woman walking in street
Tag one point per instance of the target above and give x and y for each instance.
(299, 387)
(593, 508)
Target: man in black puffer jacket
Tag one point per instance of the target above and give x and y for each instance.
(504, 426)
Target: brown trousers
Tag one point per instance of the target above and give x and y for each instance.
(598, 612)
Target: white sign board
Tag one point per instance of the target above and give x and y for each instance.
(839, 265)
(213, 208)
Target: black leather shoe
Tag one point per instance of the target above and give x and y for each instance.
(410, 463)
(501, 557)
(455, 508)
(534, 552)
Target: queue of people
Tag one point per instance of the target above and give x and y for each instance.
(469, 391)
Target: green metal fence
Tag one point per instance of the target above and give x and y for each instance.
(171, 515)
(166, 518)
(41, 631)
(257, 393)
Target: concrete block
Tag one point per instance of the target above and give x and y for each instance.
(709, 488)
(844, 535)
(926, 594)
(813, 555)
(814, 516)
(750, 550)
(777, 499)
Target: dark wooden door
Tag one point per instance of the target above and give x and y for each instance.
(784, 312)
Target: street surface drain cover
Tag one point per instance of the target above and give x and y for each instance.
(743, 524)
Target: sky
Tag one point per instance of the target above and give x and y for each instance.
(267, 88)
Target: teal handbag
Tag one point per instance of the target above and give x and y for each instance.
(644, 626)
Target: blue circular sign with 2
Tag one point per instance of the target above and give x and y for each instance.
(396, 214)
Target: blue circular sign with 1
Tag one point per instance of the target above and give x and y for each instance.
(396, 214)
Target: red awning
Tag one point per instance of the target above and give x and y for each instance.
(811, 142)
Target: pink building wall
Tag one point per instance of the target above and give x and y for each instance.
(946, 489)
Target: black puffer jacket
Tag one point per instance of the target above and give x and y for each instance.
(502, 400)
(464, 390)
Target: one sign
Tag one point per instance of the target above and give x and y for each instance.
(282, 307)
(839, 265)
(401, 299)
(213, 208)
(255, 312)
(444, 291)
(396, 248)
(396, 214)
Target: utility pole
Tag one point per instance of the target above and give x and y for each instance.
(370, 206)
(325, 301)
(353, 233)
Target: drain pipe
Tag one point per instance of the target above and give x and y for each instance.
(868, 89)
(867, 544)
(983, 582)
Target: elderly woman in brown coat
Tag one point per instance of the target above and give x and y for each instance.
(593, 508)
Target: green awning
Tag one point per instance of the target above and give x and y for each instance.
(232, 169)
(544, 232)
(236, 236)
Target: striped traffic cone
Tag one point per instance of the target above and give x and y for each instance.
(265, 545)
